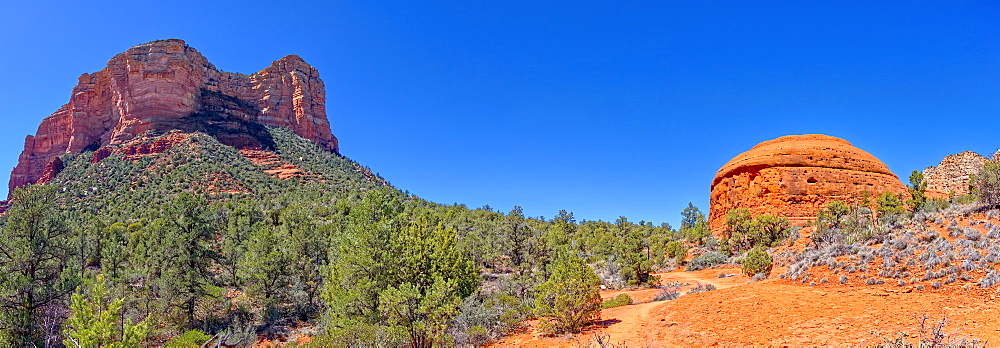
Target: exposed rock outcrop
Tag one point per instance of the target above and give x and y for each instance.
(951, 176)
(275, 164)
(137, 148)
(797, 175)
(51, 169)
(166, 84)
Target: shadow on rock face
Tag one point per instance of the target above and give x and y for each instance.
(225, 118)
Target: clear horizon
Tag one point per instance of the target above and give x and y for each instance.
(603, 110)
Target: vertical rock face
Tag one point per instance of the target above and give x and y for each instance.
(797, 175)
(951, 176)
(158, 86)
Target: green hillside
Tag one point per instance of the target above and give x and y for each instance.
(198, 237)
(119, 188)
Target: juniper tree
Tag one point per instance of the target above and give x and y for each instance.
(757, 261)
(570, 299)
(34, 271)
(395, 279)
(987, 183)
(889, 203)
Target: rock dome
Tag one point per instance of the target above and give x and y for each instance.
(795, 176)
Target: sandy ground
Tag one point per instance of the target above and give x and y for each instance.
(778, 313)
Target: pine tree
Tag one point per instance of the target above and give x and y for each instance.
(308, 244)
(267, 265)
(694, 227)
(95, 320)
(515, 234)
(917, 188)
(561, 231)
(183, 253)
(630, 248)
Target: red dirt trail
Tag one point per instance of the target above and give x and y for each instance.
(777, 312)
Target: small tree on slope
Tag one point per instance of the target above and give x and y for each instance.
(95, 321)
(987, 183)
(757, 261)
(570, 298)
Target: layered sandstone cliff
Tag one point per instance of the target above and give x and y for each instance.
(166, 84)
(797, 175)
(952, 175)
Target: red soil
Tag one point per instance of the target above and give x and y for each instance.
(779, 312)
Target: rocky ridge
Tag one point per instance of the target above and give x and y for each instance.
(165, 85)
(951, 177)
(795, 176)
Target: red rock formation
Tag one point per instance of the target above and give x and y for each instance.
(137, 148)
(794, 176)
(277, 166)
(158, 86)
(951, 176)
(51, 170)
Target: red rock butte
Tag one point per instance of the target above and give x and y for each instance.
(158, 86)
(795, 176)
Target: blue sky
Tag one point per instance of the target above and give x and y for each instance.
(600, 108)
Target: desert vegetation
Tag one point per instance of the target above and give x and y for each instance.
(928, 332)
(926, 245)
(199, 244)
